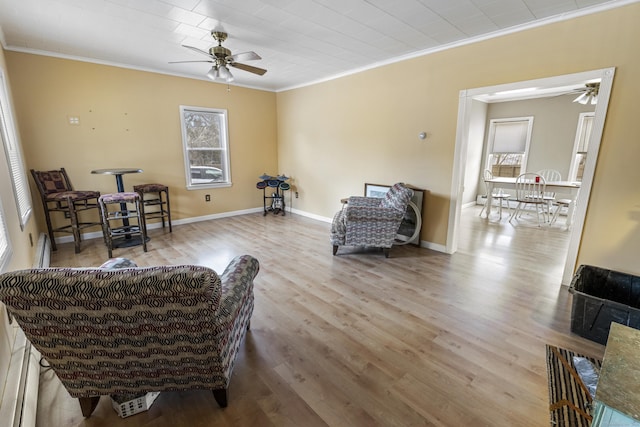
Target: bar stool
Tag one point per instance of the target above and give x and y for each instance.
(116, 226)
(155, 198)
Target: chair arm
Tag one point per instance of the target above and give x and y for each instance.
(363, 201)
(237, 285)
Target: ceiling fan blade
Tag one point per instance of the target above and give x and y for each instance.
(184, 62)
(244, 56)
(249, 68)
(195, 49)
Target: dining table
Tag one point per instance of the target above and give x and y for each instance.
(569, 189)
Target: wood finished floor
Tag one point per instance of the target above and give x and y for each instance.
(419, 339)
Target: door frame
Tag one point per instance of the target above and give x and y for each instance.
(467, 96)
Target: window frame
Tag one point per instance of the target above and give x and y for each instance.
(493, 123)
(225, 162)
(13, 150)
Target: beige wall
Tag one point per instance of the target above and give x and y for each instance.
(336, 135)
(131, 118)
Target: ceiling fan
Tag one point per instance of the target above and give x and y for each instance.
(589, 94)
(221, 58)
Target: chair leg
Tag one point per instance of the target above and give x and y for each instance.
(142, 224)
(75, 228)
(168, 212)
(49, 228)
(386, 251)
(88, 405)
(221, 397)
(335, 249)
(106, 232)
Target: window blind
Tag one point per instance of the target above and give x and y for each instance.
(510, 137)
(14, 157)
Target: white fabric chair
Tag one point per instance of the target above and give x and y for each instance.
(530, 191)
(550, 175)
(497, 194)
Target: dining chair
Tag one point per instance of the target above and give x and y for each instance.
(550, 175)
(561, 204)
(498, 194)
(530, 189)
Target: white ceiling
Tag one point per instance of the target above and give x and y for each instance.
(300, 41)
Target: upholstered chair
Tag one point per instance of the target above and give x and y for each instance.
(371, 221)
(134, 330)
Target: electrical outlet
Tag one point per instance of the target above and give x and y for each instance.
(207, 197)
(296, 194)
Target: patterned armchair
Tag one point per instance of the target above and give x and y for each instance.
(371, 221)
(135, 330)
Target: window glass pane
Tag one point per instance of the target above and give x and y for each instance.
(5, 248)
(507, 165)
(581, 160)
(203, 130)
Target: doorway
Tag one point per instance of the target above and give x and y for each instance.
(541, 86)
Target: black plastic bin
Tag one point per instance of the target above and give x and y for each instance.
(600, 297)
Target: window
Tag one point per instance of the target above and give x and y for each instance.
(14, 158)
(508, 146)
(206, 147)
(579, 158)
(5, 247)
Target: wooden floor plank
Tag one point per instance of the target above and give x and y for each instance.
(418, 339)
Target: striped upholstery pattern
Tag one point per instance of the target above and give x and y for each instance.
(569, 400)
(132, 330)
(370, 221)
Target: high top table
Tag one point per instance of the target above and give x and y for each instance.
(118, 172)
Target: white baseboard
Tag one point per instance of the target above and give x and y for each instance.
(98, 234)
(423, 243)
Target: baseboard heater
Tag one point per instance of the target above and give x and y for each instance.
(20, 399)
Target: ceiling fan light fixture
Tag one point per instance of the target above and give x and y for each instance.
(220, 73)
(581, 99)
(225, 74)
(213, 73)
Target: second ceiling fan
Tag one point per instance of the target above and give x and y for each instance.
(221, 58)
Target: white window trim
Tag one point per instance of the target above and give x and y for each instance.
(224, 133)
(12, 148)
(492, 134)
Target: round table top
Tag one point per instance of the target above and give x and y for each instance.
(116, 171)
